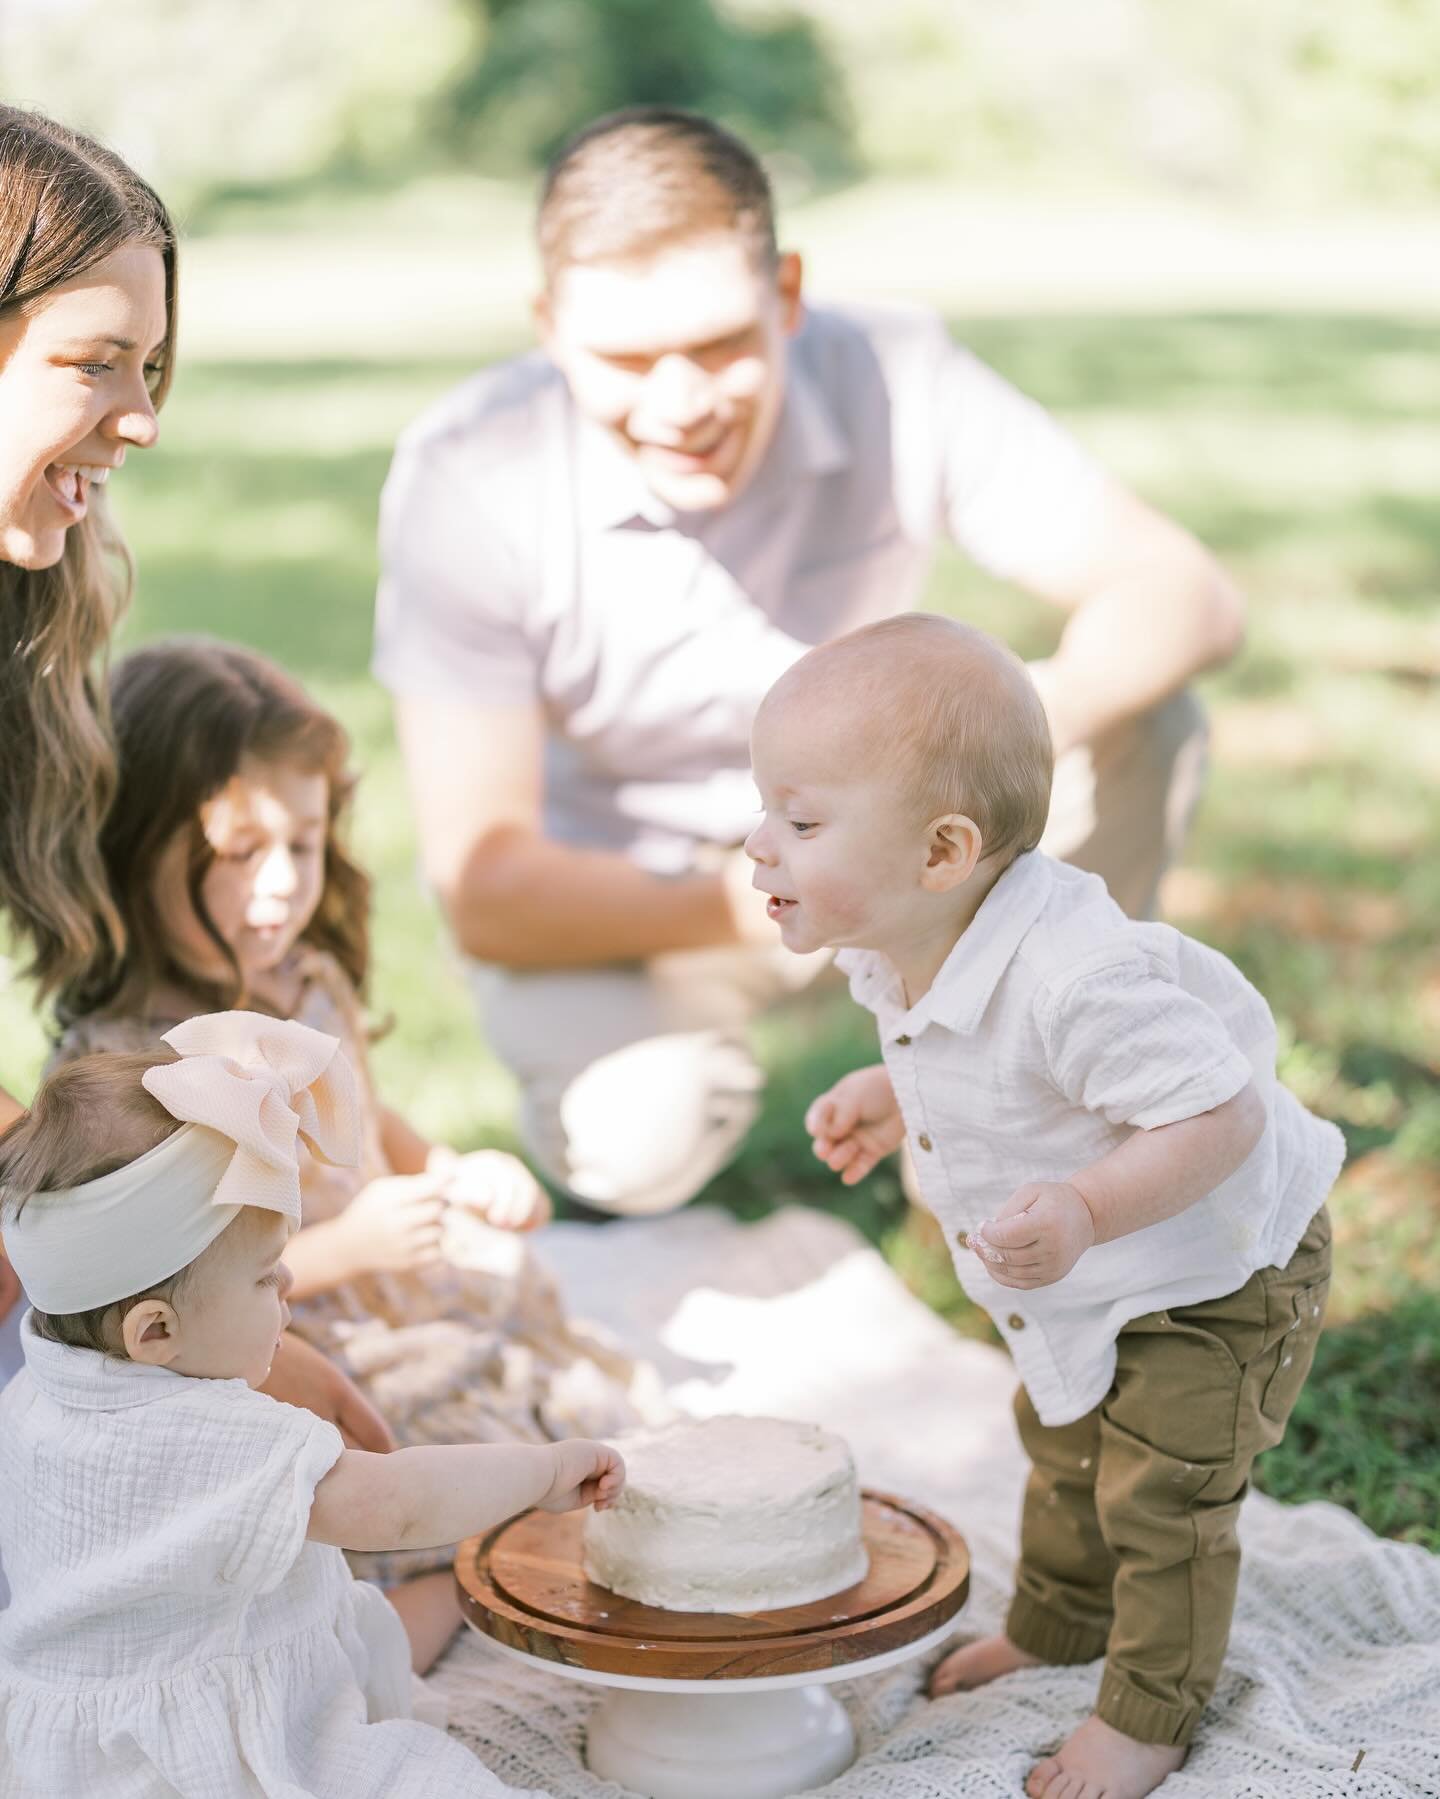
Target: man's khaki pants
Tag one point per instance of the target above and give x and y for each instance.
(637, 1080)
(1127, 1542)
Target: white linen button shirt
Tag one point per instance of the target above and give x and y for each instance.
(1055, 1027)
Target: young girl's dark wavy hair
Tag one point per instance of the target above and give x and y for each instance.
(186, 714)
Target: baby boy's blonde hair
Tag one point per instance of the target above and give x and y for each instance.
(946, 710)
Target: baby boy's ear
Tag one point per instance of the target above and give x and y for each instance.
(955, 848)
(150, 1334)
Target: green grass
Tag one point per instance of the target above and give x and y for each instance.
(1302, 449)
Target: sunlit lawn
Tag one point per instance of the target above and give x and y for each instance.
(1303, 449)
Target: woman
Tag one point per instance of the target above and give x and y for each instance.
(87, 341)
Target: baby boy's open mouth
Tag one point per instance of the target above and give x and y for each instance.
(778, 908)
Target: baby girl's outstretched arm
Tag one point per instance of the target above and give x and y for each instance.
(1044, 1228)
(424, 1497)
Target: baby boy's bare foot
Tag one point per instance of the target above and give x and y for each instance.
(1100, 1762)
(978, 1662)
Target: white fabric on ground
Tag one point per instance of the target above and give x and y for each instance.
(1336, 1645)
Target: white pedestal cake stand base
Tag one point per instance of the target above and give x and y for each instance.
(766, 1738)
(715, 1705)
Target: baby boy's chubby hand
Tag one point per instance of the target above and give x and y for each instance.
(586, 1473)
(856, 1124)
(496, 1187)
(1037, 1236)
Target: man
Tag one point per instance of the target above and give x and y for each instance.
(596, 560)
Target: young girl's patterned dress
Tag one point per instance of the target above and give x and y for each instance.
(476, 1349)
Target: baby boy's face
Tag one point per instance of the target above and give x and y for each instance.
(838, 850)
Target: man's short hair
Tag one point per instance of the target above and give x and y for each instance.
(633, 182)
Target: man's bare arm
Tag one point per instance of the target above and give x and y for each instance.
(1150, 608)
(515, 897)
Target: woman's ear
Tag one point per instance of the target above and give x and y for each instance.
(954, 850)
(151, 1333)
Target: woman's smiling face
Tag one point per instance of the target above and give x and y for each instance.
(76, 376)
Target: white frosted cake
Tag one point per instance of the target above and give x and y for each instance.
(730, 1515)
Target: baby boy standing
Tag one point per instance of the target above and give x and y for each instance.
(1096, 1123)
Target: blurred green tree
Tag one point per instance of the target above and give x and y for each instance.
(545, 67)
(205, 95)
(1306, 101)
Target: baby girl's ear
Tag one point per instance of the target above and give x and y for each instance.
(150, 1332)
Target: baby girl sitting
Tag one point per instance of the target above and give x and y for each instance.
(1096, 1123)
(182, 1619)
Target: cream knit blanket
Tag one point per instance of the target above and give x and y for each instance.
(1336, 1643)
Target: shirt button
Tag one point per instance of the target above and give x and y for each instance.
(924, 1141)
(903, 1041)
(1016, 1322)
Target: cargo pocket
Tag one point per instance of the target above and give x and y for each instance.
(1178, 1388)
(1292, 1356)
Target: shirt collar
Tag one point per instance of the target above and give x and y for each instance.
(969, 975)
(808, 439)
(971, 972)
(808, 443)
(86, 1379)
(612, 490)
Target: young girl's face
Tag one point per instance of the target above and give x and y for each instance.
(267, 828)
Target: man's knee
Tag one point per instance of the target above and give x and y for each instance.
(1122, 806)
(642, 1129)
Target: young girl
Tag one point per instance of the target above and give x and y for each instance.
(224, 849)
(182, 1621)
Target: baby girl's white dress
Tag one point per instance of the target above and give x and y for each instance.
(171, 1633)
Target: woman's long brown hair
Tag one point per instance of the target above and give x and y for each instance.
(66, 203)
(187, 713)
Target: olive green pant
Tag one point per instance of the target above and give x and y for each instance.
(1127, 1542)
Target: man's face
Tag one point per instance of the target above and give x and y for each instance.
(681, 358)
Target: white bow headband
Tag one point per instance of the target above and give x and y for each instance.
(246, 1088)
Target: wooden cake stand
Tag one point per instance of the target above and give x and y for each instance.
(715, 1705)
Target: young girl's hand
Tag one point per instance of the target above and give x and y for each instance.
(496, 1187)
(1037, 1236)
(585, 1474)
(856, 1124)
(393, 1223)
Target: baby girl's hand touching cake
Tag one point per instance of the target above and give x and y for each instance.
(856, 1124)
(496, 1187)
(1037, 1236)
(586, 1473)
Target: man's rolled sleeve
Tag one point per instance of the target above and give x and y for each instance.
(1138, 1049)
(449, 615)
